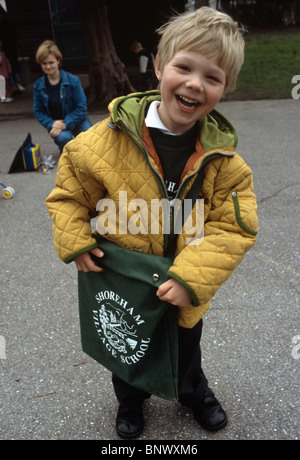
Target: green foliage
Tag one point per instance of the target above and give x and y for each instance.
(263, 13)
(271, 60)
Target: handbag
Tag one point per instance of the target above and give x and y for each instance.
(27, 158)
(124, 325)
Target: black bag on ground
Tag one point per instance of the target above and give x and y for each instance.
(27, 158)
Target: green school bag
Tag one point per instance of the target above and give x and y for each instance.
(124, 325)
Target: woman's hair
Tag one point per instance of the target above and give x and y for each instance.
(46, 48)
(208, 32)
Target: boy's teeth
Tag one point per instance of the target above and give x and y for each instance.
(186, 102)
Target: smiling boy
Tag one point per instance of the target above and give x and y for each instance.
(153, 146)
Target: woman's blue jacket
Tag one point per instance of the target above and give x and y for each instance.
(72, 97)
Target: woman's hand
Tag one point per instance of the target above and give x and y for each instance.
(55, 132)
(57, 127)
(59, 124)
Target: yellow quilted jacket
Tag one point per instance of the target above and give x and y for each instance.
(115, 160)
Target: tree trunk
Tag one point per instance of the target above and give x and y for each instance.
(107, 75)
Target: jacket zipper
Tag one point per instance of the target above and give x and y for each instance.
(202, 164)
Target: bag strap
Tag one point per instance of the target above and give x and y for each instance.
(192, 194)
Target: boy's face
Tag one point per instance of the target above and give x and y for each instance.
(190, 85)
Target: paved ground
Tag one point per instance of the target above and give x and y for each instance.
(51, 390)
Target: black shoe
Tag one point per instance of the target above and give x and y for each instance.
(130, 420)
(209, 413)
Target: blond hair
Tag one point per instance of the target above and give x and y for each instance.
(46, 48)
(208, 32)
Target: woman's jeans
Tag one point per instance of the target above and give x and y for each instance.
(192, 383)
(66, 135)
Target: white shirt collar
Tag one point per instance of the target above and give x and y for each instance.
(153, 120)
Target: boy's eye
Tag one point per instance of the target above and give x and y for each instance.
(214, 78)
(183, 67)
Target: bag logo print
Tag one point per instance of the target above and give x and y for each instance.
(117, 326)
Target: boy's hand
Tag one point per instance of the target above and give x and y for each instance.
(174, 293)
(85, 263)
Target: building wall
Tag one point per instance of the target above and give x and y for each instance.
(31, 20)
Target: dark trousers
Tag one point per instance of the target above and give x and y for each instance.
(192, 382)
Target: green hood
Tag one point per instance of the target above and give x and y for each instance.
(215, 131)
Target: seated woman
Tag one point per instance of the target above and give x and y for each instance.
(59, 100)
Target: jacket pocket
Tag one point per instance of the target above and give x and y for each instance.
(239, 220)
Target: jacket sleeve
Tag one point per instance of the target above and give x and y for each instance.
(78, 104)
(72, 203)
(39, 109)
(229, 232)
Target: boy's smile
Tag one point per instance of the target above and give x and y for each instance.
(191, 85)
